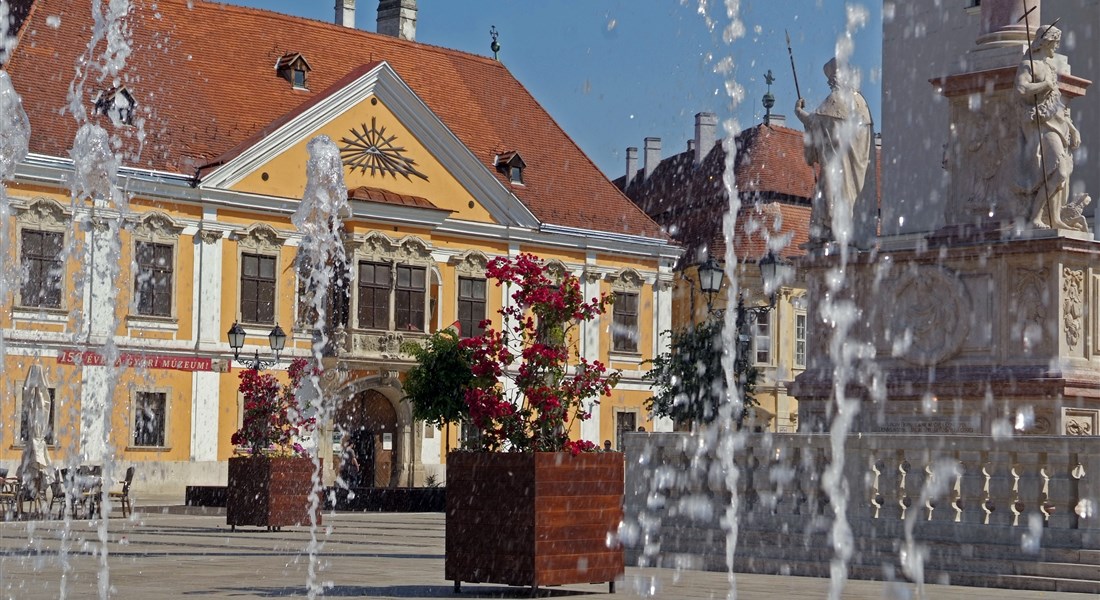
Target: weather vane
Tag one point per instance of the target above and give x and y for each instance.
(495, 47)
(769, 99)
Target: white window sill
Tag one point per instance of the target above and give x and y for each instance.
(148, 448)
(153, 323)
(627, 357)
(39, 314)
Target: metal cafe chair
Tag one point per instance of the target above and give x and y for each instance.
(9, 498)
(57, 493)
(89, 486)
(123, 496)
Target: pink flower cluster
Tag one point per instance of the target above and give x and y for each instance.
(271, 422)
(551, 387)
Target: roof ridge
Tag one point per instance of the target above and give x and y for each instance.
(22, 28)
(269, 13)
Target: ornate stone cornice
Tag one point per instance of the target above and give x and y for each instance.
(44, 212)
(259, 237)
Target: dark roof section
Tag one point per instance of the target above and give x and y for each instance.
(373, 194)
(774, 185)
(201, 73)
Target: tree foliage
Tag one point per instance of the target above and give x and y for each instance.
(436, 386)
(688, 379)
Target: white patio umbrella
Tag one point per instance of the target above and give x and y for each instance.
(34, 469)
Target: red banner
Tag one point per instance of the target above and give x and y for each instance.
(143, 361)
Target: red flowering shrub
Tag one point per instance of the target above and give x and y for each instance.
(533, 349)
(271, 418)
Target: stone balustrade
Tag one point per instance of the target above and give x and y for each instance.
(957, 489)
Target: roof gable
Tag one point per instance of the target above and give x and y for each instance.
(416, 154)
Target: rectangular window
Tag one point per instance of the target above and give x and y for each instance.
(625, 422)
(800, 340)
(762, 338)
(624, 332)
(257, 289)
(409, 298)
(153, 280)
(471, 306)
(306, 315)
(40, 261)
(150, 411)
(25, 421)
(374, 295)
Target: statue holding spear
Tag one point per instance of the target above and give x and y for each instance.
(1048, 133)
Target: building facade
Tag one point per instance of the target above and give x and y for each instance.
(448, 160)
(687, 195)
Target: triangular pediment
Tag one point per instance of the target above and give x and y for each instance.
(390, 141)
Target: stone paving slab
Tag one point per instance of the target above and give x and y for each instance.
(362, 555)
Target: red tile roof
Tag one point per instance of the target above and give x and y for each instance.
(203, 75)
(774, 184)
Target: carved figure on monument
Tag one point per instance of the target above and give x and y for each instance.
(1048, 136)
(838, 139)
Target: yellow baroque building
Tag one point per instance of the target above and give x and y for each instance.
(448, 160)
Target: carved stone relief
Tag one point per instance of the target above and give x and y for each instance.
(379, 247)
(556, 270)
(1073, 304)
(626, 280)
(1080, 421)
(391, 344)
(43, 213)
(259, 237)
(157, 226)
(1026, 302)
(471, 263)
(208, 236)
(931, 315)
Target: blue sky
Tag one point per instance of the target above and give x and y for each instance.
(613, 72)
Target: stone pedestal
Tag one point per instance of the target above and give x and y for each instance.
(966, 331)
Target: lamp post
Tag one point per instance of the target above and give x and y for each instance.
(774, 271)
(276, 339)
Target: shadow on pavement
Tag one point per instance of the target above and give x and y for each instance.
(416, 591)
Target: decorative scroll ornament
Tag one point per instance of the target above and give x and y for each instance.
(1073, 305)
(372, 150)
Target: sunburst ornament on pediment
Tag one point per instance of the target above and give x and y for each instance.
(372, 150)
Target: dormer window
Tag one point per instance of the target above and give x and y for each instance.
(512, 165)
(294, 68)
(118, 104)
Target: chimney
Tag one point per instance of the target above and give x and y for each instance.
(775, 120)
(631, 165)
(345, 13)
(397, 18)
(691, 146)
(652, 155)
(704, 134)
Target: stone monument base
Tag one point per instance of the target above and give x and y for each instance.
(967, 331)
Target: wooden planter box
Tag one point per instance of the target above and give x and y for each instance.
(533, 519)
(269, 492)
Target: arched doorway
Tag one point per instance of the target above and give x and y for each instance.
(370, 422)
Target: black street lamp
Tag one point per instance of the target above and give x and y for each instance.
(711, 276)
(774, 271)
(276, 339)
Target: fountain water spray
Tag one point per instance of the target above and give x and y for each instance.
(321, 260)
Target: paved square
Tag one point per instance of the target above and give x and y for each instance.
(363, 555)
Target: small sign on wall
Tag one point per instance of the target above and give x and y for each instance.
(387, 441)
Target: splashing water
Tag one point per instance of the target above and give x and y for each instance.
(321, 261)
